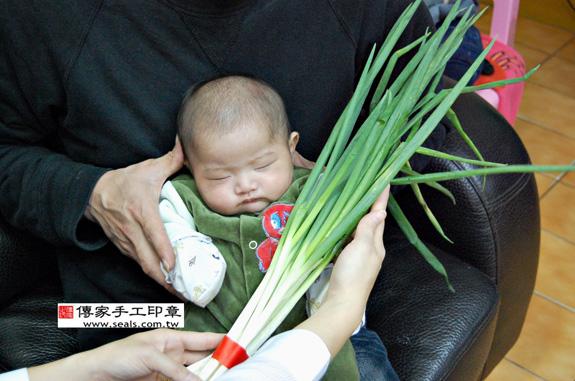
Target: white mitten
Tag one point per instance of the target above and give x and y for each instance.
(200, 268)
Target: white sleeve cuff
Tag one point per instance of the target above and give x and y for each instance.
(294, 355)
(15, 375)
(199, 268)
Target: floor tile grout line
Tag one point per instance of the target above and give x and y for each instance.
(560, 178)
(558, 236)
(549, 88)
(537, 47)
(553, 183)
(555, 54)
(556, 180)
(525, 369)
(548, 189)
(541, 125)
(549, 55)
(567, 183)
(567, 44)
(554, 301)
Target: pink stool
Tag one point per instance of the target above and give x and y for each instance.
(507, 62)
(504, 20)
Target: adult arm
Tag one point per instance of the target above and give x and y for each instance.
(49, 186)
(42, 190)
(352, 279)
(146, 355)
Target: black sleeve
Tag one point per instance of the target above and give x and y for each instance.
(41, 189)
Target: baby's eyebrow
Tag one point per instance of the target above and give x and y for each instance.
(265, 155)
(217, 168)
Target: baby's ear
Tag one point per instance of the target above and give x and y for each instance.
(188, 165)
(293, 140)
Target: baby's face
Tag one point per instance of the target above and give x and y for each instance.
(243, 171)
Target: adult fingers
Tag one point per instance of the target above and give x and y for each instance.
(159, 362)
(199, 345)
(380, 206)
(201, 341)
(125, 203)
(300, 161)
(153, 226)
(369, 231)
(370, 227)
(186, 347)
(381, 201)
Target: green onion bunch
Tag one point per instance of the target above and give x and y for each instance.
(350, 174)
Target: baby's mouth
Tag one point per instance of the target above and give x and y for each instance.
(251, 200)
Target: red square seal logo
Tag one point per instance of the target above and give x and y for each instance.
(65, 312)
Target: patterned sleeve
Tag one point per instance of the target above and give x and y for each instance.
(199, 268)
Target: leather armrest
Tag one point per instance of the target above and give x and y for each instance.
(25, 261)
(429, 332)
(495, 227)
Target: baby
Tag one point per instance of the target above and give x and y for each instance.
(238, 146)
(225, 218)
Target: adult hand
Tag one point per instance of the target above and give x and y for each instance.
(352, 279)
(150, 355)
(300, 161)
(125, 204)
(358, 265)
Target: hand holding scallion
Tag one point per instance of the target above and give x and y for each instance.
(352, 279)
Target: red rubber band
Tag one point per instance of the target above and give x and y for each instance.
(229, 353)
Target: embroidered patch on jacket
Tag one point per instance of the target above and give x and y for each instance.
(274, 220)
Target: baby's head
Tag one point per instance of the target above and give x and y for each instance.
(238, 145)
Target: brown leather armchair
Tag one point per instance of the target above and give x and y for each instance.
(430, 332)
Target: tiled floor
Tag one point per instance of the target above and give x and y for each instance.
(546, 123)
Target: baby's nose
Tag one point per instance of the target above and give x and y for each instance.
(245, 185)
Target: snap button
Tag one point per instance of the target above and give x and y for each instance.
(253, 245)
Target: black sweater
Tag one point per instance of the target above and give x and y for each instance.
(90, 85)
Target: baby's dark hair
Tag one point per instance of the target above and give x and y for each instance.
(222, 104)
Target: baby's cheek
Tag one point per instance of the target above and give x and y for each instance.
(221, 201)
(280, 186)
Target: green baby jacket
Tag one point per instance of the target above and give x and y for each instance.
(245, 242)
